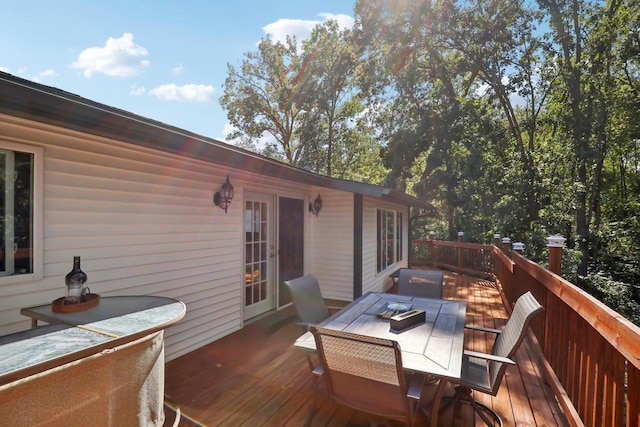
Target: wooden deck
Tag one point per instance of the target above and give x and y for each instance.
(255, 377)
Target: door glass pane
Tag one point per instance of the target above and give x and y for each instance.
(256, 252)
(247, 297)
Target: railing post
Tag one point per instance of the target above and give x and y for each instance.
(460, 255)
(506, 245)
(556, 246)
(518, 247)
(432, 251)
(496, 240)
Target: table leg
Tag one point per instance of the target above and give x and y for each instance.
(437, 398)
(34, 323)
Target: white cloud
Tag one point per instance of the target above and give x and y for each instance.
(481, 90)
(344, 21)
(190, 92)
(137, 90)
(38, 78)
(255, 144)
(47, 73)
(227, 129)
(484, 89)
(178, 69)
(301, 28)
(282, 28)
(118, 58)
(43, 74)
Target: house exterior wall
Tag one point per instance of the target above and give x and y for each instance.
(144, 223)
(331, 253)
(330, 258)
(372, 281)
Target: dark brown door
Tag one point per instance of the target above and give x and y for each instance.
(290, 244)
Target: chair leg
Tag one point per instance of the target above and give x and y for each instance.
(463, 395)
(316, 378)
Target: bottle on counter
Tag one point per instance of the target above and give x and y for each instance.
(75, 281)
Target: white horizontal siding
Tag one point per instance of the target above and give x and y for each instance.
(143, 223)
(331, 254)
(372, 281)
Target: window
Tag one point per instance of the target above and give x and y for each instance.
(389, 238)
(17, 217)
(399, 240)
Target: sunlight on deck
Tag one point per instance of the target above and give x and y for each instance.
(255, 377)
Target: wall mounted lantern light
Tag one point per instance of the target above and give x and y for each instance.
(316, 205)
(223, 197)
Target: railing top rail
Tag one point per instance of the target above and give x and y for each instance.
(454, 244)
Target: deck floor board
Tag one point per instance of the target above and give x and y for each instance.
(255, 377)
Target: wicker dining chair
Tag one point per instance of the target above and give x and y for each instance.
(484, 372)
(420, 283)
(366, 374)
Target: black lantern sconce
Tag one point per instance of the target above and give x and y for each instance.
(316, 205)
(223, 197)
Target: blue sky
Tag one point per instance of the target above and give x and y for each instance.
(161, 59)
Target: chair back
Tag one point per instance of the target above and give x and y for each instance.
(364, 373)
(307, 299)
(420, 283)
(512, 335)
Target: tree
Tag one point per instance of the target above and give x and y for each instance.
(330, 100)
(304, 98)
(584, 45)
(262, 99)
(426, 63)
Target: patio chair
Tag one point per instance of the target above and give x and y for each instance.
(366, 374)
(420, 283)
(307, 300)
(484, 372)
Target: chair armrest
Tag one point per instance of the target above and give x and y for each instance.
(490, 357)
(304, 325)
(483, 329)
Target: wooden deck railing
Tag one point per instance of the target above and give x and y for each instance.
(590, 353)
(463, 257)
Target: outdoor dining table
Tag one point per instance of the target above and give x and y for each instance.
(433, 347)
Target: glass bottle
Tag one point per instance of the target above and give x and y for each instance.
(75, 283)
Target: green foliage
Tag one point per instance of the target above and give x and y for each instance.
(617, 295)
(471, 107)
(616, 247)
(507, 130)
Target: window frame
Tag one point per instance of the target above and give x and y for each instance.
(37, 206)
(389, 226)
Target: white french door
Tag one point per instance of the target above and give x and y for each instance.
(259, 289)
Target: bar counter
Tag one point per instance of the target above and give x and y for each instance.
(88, 367)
